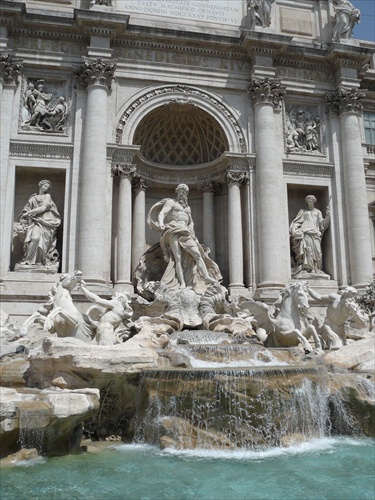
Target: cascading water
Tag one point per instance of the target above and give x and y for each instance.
(249, 408)
(32, 425)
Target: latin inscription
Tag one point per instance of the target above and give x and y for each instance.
(181, 59)
(212, 11)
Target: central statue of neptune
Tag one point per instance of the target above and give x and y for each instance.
(187, 260)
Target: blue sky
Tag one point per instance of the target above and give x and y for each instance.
(366, 29)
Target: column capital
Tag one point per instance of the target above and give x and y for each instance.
(236, 177)
(345, 101)
(209, 186)
(96, 72)
(267, 91)
(123, 170)
(141, 183)
(9, 68)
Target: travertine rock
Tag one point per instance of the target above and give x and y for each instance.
(46, 419)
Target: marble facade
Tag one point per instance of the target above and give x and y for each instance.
(252, 115)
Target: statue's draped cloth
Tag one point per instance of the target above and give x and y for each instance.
(186, 238)
(306, 231)
(40, 236)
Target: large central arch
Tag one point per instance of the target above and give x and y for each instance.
(147, 101)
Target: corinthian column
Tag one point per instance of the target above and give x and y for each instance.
(235, 242)
(139, 221)
(209, 189)
(272, 224)
(9, 71)
(94, 228)
(124, 229)
(349, 107)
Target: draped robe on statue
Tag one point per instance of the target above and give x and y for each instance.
(39, 235)
(306, 231)
(185, 235)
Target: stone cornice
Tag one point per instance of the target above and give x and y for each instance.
(176, 174)
(308, 169)
(189, 47)
(32, 149)
(268, 44)
(347, 55)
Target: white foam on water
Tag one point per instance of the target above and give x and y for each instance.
(323, 445)
(29, 463)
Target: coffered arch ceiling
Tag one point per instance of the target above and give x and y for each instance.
(180, 134)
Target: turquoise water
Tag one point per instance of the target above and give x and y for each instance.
(329, 468)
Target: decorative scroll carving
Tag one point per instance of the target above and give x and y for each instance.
(346, 18)
(267, 90)
(141, 183)
(9, 68)
(236, 177)
(260, 12)
(97, 72)
(38, 113)
(123, 170)
(187, 92)
(214, 187)
(302, 129)
(345, 101)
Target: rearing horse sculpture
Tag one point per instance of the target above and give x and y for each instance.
(60, 315)
(289, 325)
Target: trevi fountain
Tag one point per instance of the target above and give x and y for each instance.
(188, 301)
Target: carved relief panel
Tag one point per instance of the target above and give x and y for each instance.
(45, 106)
(304, 129)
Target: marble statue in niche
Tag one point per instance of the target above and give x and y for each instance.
(187, 260)
(306, 231)
(302, 130)
(38, 111)
(36, 228)
(260, 12)
(346, 18)
(178, 260)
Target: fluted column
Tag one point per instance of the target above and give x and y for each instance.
(209, 189)
(94, 210)
(139, 221)
(273, 253)
(235, 239)
(124, 228)
(9, 71)
(349, 107)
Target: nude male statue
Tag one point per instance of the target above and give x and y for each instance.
(116, 310)
(187, 259)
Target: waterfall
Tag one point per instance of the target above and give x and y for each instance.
(32, 423)
(250, 408)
